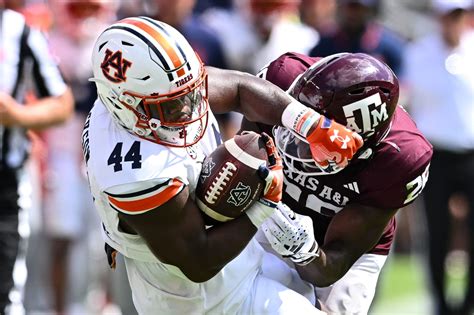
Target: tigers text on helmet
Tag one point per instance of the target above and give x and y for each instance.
(151, 81)
(354, 89)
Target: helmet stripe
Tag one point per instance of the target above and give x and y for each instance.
(154, 22)
(160, 26)
(162, 40)
(149, 44)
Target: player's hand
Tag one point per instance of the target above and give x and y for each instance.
(291, 235)
(273, 190)
(273, 173)
(332, 144)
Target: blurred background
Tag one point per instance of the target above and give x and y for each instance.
(63, 269)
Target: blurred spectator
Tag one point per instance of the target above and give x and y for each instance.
(319, 14)
(357, 31)
(68, 218)
(265, 29)
(38, 15)
(254, 32)
(24, 60)
(409, 19)
(179, 14)
(66, 203)
(15, 5)
(130, 7)
(203, 5)
(439, 75)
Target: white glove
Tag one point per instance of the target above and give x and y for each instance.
(291, 235)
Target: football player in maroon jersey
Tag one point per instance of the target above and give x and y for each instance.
(353, 208)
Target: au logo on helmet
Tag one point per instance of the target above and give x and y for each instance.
(118, 64)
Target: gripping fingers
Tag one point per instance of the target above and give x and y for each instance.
(273, 178)
(274, 235)
(285, 213)
(273, 173)
(291, 235)
(274, 158)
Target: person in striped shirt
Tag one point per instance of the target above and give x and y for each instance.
(25, 62)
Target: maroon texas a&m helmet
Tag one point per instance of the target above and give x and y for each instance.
(354, 89)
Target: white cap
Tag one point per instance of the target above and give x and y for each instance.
(446, 6)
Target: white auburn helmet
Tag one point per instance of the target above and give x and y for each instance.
(151, 81)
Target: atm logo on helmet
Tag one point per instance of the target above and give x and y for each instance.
(370, 111)
(118, 64)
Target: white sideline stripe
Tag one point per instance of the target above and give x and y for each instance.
(216, 216)
(243, 156)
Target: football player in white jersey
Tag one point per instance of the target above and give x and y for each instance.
(144, 142)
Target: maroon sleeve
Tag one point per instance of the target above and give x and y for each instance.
(281, 72)
(286, 68)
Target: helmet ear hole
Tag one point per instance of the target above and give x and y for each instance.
(357, 91)
(125, 43)
(385, 91)
(102, 45)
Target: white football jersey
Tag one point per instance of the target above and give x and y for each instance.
(125, 173)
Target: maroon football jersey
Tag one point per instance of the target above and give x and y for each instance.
(391, 178)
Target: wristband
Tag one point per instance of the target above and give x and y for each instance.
(299, 118)
(260, 211)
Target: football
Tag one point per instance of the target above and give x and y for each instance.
(229, 184)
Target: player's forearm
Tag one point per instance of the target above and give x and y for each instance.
(344, 243)
(329, 267)
(257, 99)
(222, 244)
(261, 101)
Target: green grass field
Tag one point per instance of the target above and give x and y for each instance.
(403, 286)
